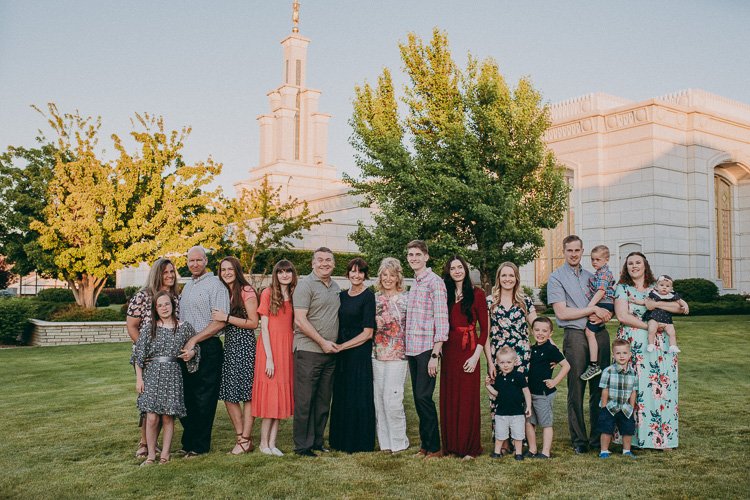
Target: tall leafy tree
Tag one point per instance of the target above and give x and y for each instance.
(25, 174)
(262, 220)
(464, 168)
(102, 215)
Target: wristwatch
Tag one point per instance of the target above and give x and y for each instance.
(436, 356)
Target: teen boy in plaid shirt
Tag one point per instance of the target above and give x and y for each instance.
(426, 330)
(618, 400)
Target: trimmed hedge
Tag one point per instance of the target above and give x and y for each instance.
(15, 313)
(63, 295)
(129, 292)
(115, 295)
(302, 260)
(102, 300)
(75, 312)
(543, 293)
(696, 290)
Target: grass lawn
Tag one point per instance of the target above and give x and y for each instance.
(70, 431)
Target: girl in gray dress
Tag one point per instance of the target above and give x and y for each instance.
(158, 355)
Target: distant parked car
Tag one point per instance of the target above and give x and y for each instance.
(7, 293)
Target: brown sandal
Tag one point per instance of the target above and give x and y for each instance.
(245, 444)
(142, 450)
(148, 461)
(164, 460)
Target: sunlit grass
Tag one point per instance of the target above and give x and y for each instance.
(70, 431)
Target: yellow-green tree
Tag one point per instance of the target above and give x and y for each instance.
(107, 214)
(261, 220)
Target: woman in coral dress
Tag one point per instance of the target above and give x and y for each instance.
(460, 380)
(273, 398)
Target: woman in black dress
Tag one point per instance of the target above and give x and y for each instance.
(353, 410)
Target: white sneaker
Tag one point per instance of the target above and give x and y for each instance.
(277, 452)
(266, 451)
(674, 349)
(651, 348)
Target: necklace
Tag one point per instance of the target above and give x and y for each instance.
(353, 293)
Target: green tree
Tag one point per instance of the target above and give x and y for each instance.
(465, 168)
(25, 174)
(103, 215)
(261, 220)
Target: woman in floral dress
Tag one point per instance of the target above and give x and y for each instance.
(511, 313)
(657, 414)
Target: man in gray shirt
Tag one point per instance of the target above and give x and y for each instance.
(203, 293)
(567, 294)
(316, 321)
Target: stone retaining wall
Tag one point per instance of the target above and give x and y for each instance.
(47, 333)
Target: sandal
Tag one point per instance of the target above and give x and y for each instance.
(147, 462)
(164, 460)
(246, 445)
(142, 451)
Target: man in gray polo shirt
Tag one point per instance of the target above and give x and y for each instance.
(203, 293)
(316, 321)
(567, 294)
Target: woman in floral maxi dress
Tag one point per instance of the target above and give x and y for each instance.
(657, 408)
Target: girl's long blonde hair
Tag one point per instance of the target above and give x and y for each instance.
(519, 298)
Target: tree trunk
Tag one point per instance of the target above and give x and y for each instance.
(86, 290)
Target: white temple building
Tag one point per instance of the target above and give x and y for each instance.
(668, 176)
(293, 154)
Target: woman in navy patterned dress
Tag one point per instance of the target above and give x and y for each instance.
(238, 369)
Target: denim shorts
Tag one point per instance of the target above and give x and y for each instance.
(607, 422)
(609, 306)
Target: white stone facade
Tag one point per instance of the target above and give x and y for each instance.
(644, 179)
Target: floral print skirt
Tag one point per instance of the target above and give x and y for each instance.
(657, 409)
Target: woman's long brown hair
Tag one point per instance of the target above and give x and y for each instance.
(277, 297)
(236, 304)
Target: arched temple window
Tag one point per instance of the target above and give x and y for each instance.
(724, 226)
(551, 256)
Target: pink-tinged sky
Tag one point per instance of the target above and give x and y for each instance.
(210, 64)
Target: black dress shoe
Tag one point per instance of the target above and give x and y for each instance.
(580, 450)
(305, 453)
(321, 449)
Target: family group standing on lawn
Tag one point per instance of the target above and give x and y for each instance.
(345, 354)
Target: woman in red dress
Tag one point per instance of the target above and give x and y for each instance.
(460, 380)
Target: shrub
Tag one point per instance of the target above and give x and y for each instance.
(116, 295)
(102, 300)
(15, 314)
(543, 293)
(63, 295)
(129, 292)
(697, 289)
(719, 307)
(75, 312)
(528, 291)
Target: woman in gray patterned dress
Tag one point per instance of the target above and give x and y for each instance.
(239, 352)
(162, 276)
(157, 356)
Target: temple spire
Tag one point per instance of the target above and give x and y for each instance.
(295, 17)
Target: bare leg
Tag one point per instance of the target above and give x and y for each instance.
(547, 434)
(152, 428)
(672, 335)
(265, 433)
(653, 326)
(498, 446)
(605, 440)
(235, 415)
(166, 444)
(518, 445)
(247, 421)
(531, 438)
(593, 346)
(273, 433)
(626, 440)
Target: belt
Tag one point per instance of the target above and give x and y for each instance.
(469, 337)
(163, 359)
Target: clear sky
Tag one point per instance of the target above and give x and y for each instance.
(209, 64)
